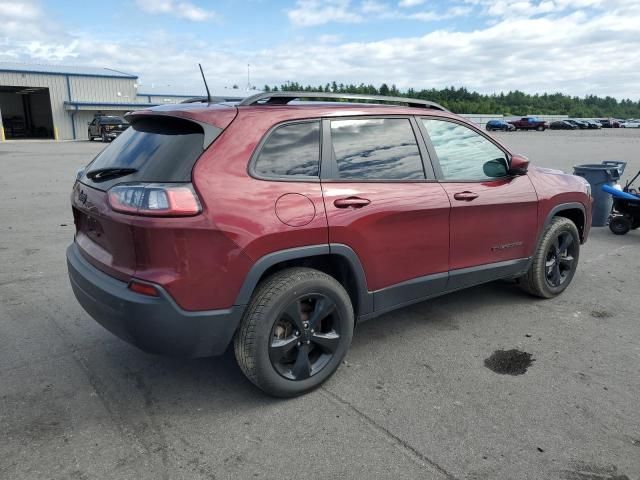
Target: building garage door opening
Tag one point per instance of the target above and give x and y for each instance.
(26, 112)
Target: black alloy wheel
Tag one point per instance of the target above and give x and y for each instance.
(560, 260)
(305, 337)
(554, 261)
(295, 331)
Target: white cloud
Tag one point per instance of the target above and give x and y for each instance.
(578, 52)
(185, 10)
(307, 13)
(530, 8)
(374, 7)
(18, 11)
(431, 16)
(24, 26)
(410, 3)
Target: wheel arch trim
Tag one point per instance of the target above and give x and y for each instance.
(561, 208)
(365, 298)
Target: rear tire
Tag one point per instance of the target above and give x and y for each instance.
(620, 225)
(295, 332)
(554, 261)
(89, 135)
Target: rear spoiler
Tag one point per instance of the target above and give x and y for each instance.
(211, 132)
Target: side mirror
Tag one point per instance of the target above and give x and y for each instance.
(519, 165)
(88, 123)
(495, 168)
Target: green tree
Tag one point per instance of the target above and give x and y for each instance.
(512, 103)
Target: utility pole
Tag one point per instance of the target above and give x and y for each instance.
(248, 77)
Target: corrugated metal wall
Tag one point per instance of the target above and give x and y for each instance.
(162, 99)
(103, 89)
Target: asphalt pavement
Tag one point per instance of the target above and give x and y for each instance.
(413, 400)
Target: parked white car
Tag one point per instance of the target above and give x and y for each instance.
(630, 124)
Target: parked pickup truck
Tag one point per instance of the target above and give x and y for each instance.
(529, 123)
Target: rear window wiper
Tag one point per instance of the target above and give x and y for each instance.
(110, 172)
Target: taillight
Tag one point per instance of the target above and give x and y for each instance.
(155, 199)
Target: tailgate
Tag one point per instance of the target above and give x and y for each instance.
(105, 238)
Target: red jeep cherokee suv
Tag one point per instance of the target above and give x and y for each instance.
(280, 225)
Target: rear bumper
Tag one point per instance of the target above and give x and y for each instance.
(153, 324)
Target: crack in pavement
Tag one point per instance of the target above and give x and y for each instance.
(401, 445)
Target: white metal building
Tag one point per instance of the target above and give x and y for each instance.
(52, 101)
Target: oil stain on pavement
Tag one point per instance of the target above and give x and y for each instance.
(509, 362)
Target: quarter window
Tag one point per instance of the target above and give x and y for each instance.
(376, 149)
(291, 150)
(463, 153)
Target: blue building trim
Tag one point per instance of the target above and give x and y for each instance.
(73, 115)
(107, 104)
(153, 94)
(73, 122)
(71, 74)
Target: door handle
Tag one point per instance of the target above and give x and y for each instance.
(466, 196)
(351, 202)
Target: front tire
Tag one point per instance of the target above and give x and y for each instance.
(555, 260)
(295, 332)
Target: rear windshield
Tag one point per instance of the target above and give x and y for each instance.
(112, 120)
(159, 149)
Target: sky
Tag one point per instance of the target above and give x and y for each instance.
(577, 47)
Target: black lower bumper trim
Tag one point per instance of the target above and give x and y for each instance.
(154, 324)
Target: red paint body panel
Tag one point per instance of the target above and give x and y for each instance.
(489, 228)
(402, 234)
(554, 188)
(104, 236)
(244, 208)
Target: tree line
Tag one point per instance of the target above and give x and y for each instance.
(513, 103)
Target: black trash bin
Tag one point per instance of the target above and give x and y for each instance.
(598, 174)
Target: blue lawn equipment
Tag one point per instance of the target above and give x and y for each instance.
(625, 214)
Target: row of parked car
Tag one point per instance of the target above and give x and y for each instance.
(533, 123)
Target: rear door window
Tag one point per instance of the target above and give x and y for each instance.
(291, 150)
(159, 149)
(376, 149)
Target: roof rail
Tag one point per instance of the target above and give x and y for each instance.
(282, 98)
(213, 99)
